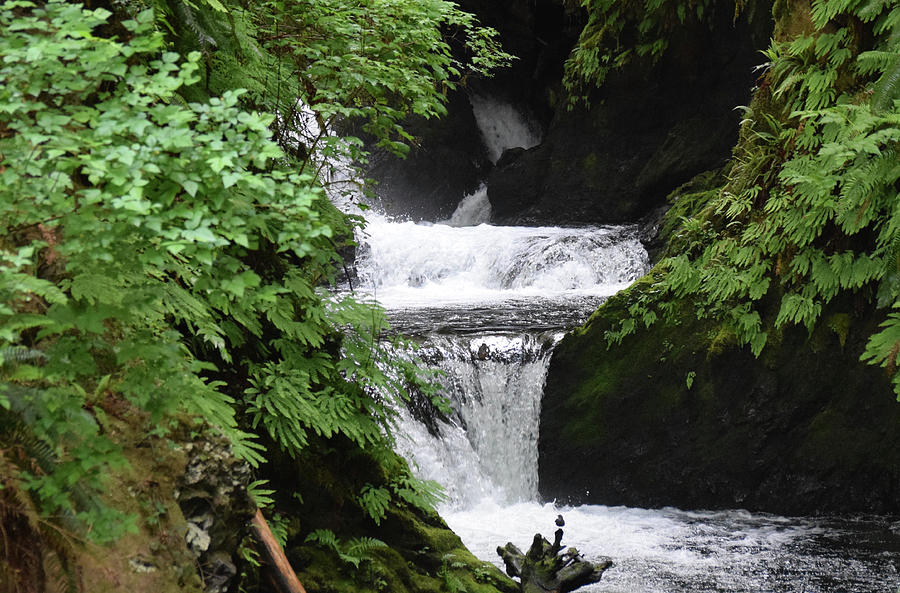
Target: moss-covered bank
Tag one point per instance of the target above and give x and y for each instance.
(415, 551)
(682, 416)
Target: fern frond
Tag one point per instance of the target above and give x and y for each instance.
(19, 355)
(887, 89)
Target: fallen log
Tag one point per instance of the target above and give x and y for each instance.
(283, 575)
(545, 568)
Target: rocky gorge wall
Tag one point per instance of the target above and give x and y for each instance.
(681, 413)
(683, 416)
(613, 159)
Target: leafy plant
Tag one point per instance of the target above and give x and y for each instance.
(160, 253)
(352, 552)
(453, 583)
(809, 212)
(374, 63)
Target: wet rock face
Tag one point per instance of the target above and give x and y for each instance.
(451, 158)
(213, 497)
(649, 129)
(804, 429)
(449, 162)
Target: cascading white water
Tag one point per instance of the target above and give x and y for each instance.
(409, 263)
(502, 126)
(494, 383)
(473, 210)
(488, 304)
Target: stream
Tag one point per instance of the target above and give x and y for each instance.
(488, 304)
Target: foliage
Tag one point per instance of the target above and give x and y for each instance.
(351, 552)
(377, 62)
(618, 33)
(32, 550)
(810, 209)
(452, 582)
(325, 64)
(159, 252)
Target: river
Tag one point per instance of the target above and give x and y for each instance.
(488, 304)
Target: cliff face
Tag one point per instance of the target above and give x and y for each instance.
(683, 416)
(649, 129)
(682, 412)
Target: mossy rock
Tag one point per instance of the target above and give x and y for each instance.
(420, 554)
(681, 415)
(154, 557)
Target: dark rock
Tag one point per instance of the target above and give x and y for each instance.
(804, 429)
(451, 159)
(517, 185)
(649, 129)
(448, 163)
(213, 497)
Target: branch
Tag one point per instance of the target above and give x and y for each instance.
(286, 580)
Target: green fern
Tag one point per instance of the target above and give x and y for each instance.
(375, 502)
(353, 552)
(809, 210)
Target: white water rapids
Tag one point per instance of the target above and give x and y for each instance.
(488, 304)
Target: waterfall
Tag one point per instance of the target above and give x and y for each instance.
(494, 384)
(502, 126)
(473, 210)
(488, 304)
(428, 264)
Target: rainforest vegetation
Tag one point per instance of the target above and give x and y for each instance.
(167, 265)
(809, 212)
(170, 256)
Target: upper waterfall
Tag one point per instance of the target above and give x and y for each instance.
(502, 126)
(407, 263)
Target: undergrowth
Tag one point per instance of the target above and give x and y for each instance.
(161, 248)
(810, 209)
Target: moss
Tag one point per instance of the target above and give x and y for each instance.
(589, 163)
(840, 323)
(421, 555)
(787, 432)
(721, 339)
(792, 19)
(154, 559)
(593, 396)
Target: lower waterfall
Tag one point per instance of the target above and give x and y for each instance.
(487, 305)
